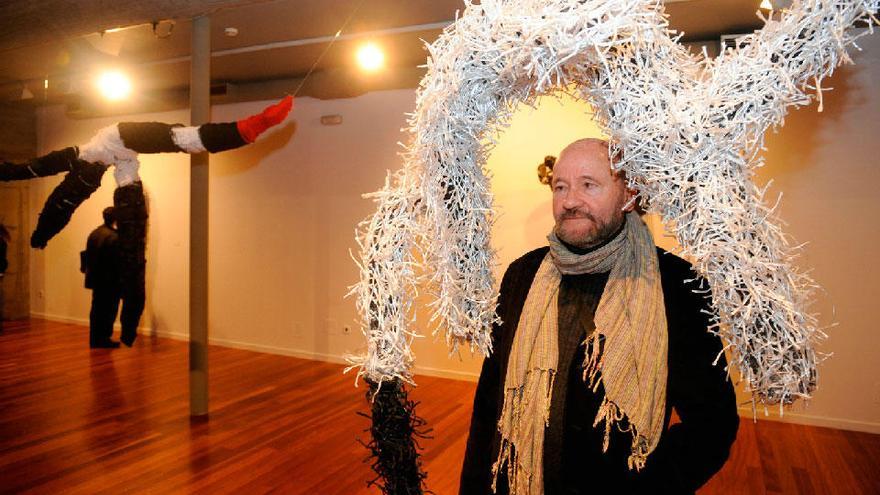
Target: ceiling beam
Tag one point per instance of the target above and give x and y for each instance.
(25, 23)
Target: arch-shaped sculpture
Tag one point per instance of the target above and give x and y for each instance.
(691, 131)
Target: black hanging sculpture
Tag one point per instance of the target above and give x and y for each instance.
(118, 145)
(394, 448)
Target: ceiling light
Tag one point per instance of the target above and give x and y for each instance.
(766, 5)
(370, 57)
(114, 85)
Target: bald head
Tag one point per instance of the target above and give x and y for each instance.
(586, 145)
(592, 146)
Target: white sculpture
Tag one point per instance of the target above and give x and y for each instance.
(691, 130)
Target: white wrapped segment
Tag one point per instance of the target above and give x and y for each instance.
(188, 139)
(691, 130)
(107, 147)
(127, 171)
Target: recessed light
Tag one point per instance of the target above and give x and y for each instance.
(370, 57)
(114, 85)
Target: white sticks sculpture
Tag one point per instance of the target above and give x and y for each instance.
(691, 130)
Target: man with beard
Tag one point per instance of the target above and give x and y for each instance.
(603, 335)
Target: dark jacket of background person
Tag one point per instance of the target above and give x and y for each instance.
(102, 259)
(688, 453)
(4, 263)
(4, 241)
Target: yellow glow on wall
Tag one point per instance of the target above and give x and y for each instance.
(114, 85)
(534, 133)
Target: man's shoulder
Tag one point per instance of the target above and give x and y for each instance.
(674, 266)
(684, 290)
(521, 271)
(95, 234)
(103, 234)
(678, 275)
(530, 260)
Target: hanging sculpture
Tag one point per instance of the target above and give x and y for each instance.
(118, 145)
(690, 130)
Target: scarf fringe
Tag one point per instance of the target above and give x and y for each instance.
(593, 360)
(519, 474)
(613, 416)
(608, 412)
(639, 455)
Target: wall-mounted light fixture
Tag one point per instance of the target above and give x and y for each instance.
(335, 119)
(26, 93)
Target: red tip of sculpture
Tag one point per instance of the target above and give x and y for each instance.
(251, 127)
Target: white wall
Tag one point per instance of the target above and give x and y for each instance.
(283, 214)
(826, 164)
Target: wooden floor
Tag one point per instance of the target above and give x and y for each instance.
(80, 421)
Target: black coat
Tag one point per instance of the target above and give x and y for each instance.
(689, 452)
(102, 259)
(4, 263)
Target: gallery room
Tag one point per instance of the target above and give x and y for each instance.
(439, 246)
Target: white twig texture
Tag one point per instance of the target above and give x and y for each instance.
(691, 131)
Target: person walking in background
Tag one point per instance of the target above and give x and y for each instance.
(100, 264)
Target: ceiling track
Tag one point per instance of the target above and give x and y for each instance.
(306, 41)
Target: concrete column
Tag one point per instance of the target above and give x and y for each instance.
(200, 113)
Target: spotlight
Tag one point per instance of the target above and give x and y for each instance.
(114, 85)
(766, 5)
(370, 57)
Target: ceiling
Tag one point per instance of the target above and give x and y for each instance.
(66, 41)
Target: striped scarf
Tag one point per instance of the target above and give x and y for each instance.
(628, 347)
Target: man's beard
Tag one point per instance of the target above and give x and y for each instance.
(601, 231)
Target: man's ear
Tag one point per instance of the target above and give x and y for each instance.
(632, 197)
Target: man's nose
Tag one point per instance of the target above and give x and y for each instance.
(570, 200)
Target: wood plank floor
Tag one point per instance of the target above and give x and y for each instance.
(80, 421)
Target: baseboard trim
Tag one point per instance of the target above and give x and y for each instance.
(142, 330)
(283, 351)
(808, 419)
(441, 373)
(320, 356)
(744, 412)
